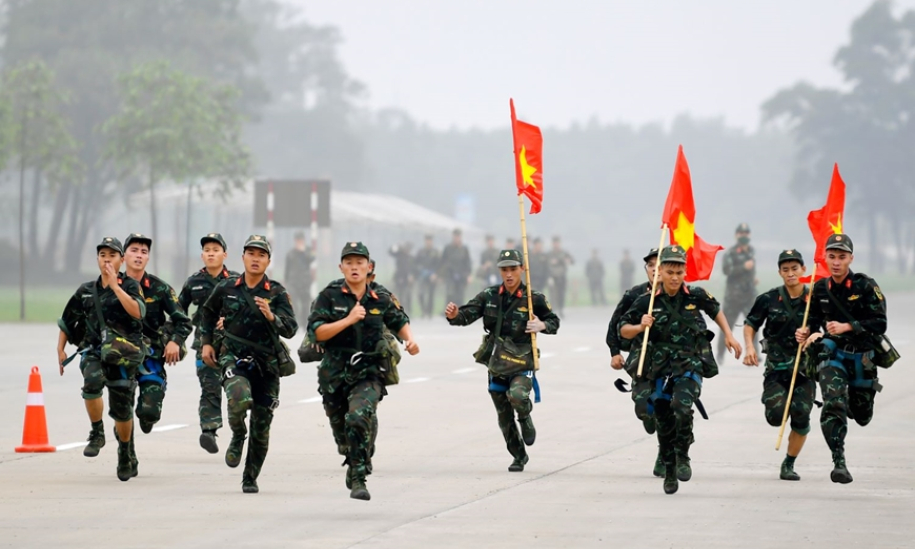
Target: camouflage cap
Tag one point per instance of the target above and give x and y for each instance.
(137, 237)
(258, 241)
(742, 228)
(790, 255)
(840, 242)
(652, 253)
(510, 258)
(112, 243)
(673, 254)
(214, 237)
(355, 248)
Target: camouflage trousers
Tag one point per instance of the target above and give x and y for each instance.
(840, 402)
(675, 417)
(352, 413)
(120, 381)
(210, 408)
(775, 394)
(507, 402)
(258, 392)
(151, 378)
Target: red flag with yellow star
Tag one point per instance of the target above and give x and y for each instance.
(528, 160)
(827, 221)
(680, 217)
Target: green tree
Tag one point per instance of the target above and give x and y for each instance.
(868, 130)
(39, 141)
(177, 127)
(88, 44)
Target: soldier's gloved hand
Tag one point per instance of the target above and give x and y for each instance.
(616, 362)
(535, 325)
(451, 311)
(751, 359)
(172, 351)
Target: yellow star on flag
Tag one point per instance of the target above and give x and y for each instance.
(685, 233)
(837, 228)
(527, 171)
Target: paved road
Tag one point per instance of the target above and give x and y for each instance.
(440, 473)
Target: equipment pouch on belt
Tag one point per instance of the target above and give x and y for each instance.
(389, 351)
(309, 351)
(484, 352)
(509, 358)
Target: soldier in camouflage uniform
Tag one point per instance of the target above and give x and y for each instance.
(740, 267)
(782, 311)
(253, 311)
(641, 387)
(487, 271)
(679, 357)
(510, 394)
(104, 319)
(455, 268)
(299, 273)
(349, 320)
(851, 309)
(427, 263)
(196, 290)
(558, 261)
(166, 342)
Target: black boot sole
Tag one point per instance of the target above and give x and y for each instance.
(209, 444)
(840, 477)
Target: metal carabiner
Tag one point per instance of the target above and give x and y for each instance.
(353, 360)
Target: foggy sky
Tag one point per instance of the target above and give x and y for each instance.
(456, 63)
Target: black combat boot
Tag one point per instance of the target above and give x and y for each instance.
(132, 452)
(840, 473)
(359, 490)
(96, 440)
(528, 433)
(671, 485)
(684, 470)
(787, 471)
(208, 441)
(146, 426)
(518, 464)
(249, 485)
(233, 452)
(659, 468)
(125, 468)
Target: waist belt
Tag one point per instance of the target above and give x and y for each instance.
(837, 359)
(660, 394)
(496, 387)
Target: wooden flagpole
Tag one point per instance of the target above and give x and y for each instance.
(797, 361)
(527, 275)
(654, 292)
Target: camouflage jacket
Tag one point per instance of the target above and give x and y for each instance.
(366, 336)
(455, 263)
(488, 259)
(427, 262)
(197, 288)
(539, 268)
(781, 321)
(679, 341)
(860, 295)
(741, 281)
(614, 341)
(161, 300)
(79, 320)
(486, 305)
(242, 321)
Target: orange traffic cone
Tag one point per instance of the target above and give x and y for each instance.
(35, 430)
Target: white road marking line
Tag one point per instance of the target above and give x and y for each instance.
(581, 349)
(417, 380)
(311, 400)
(164, 428)
(547, 355)
(71, 446)
(463, 371)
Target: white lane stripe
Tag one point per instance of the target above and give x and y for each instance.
(34, 399)
(582, 349)
(417, 380)
(463, 371)
(311, 400)
(71, 446)
(547, 355)
(164, 428)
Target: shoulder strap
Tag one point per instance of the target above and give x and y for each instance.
(270, 328)
(498, 332)
(674, 312)
(98, 311)
(792, 313)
